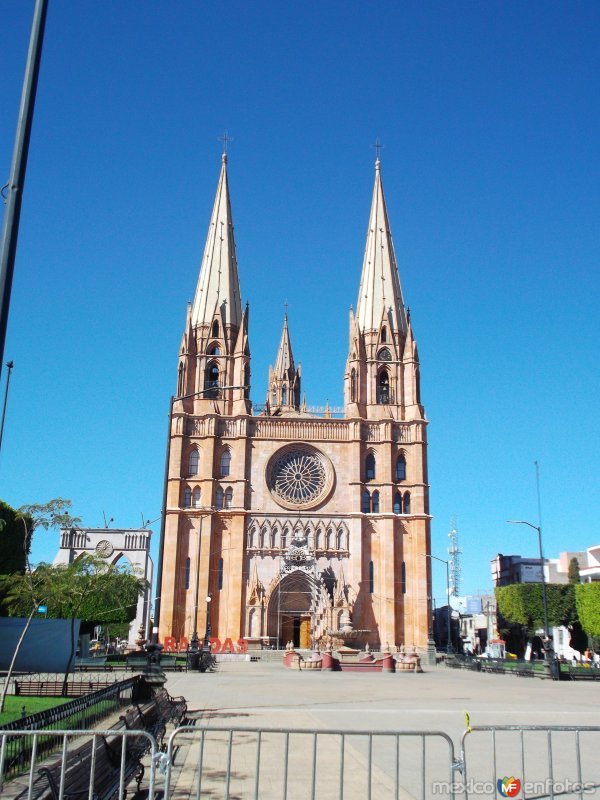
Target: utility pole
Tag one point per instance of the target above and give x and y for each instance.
(16, 182)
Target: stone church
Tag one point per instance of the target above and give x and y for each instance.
(281, 524)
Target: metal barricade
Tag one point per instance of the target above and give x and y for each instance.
(530, 761)
(23, 753)
(276, 764)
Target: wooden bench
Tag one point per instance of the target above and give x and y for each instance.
(106, 765)
(137, 661)
(55, 688)
(93, 663)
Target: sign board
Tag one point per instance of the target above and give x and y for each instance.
(473, 605)
(42, 609)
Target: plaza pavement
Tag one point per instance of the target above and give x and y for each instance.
(265, 695)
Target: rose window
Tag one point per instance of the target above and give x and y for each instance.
(299, 476)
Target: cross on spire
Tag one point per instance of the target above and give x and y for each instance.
(378, 146)
(225, 139)
(285, 305)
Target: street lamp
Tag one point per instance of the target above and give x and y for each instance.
(163, 520)
(10, 365)
(206, 650)
(538, 528)
(447, 563)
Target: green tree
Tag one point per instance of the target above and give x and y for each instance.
(588, 608)
(54, 514)
(15, 540)
(574, 576)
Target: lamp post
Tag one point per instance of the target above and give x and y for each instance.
(163, 520)
(447, 563)
(9, 365)
(538, 528)
(206, 651)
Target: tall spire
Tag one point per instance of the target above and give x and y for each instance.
(284, 363)
(380, 295)
(284, 378)
(218, 288)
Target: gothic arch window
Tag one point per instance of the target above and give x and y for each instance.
(383, 387)
(187, 497)
(219, 498)
(366, 502)
(215, 329)
(273, 396)
(188, 564)
(384, 354)
(211, 380)
(375, 502)
(251, 538)
(384, 334)
(273, 538)
(403, 577)
(215, 350)
(370, 467)
(225, 463)
(247, 381)
(338, 540)
(220, 583)
(263, 534)
(406, 503)
(181, 380)
(401, 468)
(196, 497)
(284, 396)
(397, 503)
(371, 577)
(284, 534)
(194, 462)
(318, 537)
(228, 497)
(330, 539)
(353, 385)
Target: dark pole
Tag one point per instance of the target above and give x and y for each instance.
(195, 638)
(16, 182)
(10, 365)
(163, 522)
(539, 530)
(449, 639)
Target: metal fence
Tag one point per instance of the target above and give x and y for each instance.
(542, 761)
(275, 764)
(79, 714)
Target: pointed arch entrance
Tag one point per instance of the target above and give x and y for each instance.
(291, 611)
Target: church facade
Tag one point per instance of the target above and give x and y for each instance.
(283, 525)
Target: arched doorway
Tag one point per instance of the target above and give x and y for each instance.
(291, 610)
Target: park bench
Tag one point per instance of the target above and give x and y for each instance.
(55, 688)
(92, 663)
(169, 662)
(101, 767)
(584, 673)
(137, 661)
(524, 670)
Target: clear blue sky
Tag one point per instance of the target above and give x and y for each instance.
(489, 113)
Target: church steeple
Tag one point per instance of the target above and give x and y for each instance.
(218, 289)
(284, 379)
(381, 378)
(379, 294)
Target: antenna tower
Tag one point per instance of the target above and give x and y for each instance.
(455, 552)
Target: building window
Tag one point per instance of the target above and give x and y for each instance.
(384, 355)
(406, 504)
(228, 497)
(403, 577)
(397, 503)
(338, 541)
(401, 468)
(284, 396)
(318, 539)
(215, 329)
(330, 539)
(251, 538)
(247, 381)
(370, 467)
(366, 502)
(181, 380)
(371, 577)
(284, 538)
(220, 584)
(215, 350)
(375, 503)
(219, 498)
(187, 572)
(211, 380)
(187, 497)
(225, 463)
(353, 386)
(263, 534)
(383, 388)
(384, 334)
(196, 498)
(194, 462)
(273, 397)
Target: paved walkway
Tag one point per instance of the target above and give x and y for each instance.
(265, 695)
